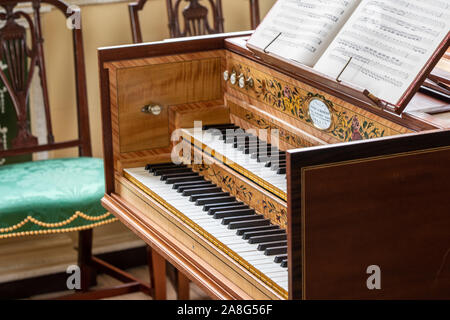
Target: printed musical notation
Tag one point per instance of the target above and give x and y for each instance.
(306, 26)
(389, 41)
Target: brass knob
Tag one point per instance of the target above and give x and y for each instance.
(243, 82)
(154, 109)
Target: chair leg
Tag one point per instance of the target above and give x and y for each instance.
(88, 272)
(157, 274)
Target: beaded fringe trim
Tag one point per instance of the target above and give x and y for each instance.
(76, 215)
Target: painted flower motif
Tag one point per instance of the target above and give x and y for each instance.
(287, 92)
(356, 127)
(289, 99)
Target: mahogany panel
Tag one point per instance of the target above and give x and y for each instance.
(369, 217)
(380, 197)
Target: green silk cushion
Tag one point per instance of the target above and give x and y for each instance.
(51, 196)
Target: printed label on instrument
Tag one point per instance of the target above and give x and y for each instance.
(320, 114)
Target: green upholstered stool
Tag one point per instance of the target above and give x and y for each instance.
(51, 196)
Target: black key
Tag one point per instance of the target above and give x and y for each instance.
(203, 201)
(167, 166)
(280, 258)
(248, 235)
(200, 190)
(170, 166)
(264, 146)
(248, 224)
(195, 197)
(231, 207)
(229, 129)
(247, 146)
(284, 263)
(158, 172)
(241, 141)
(219, 126)
(185, 184)
(164, 177)
(250, 149)
(260, 149)
(245, 140)
(193, 185)
(184, 179)
(252, 217)
(281, 170)
(275, 250)
(243, 145)
(233, 213)
(157, 165)
(229, 134)
(267, 238)
(242, 138)
(263, 151)
(278, 161)
(242, 231)
(221, 204)
(272, 244)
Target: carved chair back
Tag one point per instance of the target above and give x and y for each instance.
(21, 58)
(194, 16)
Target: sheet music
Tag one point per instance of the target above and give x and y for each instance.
(307, 27)
(389, 41)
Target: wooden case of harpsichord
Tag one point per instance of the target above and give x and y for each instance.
(366, 204)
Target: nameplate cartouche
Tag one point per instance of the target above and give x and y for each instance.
(320, 114)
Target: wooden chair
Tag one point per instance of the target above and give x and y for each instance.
(195, 18)
(59, 195)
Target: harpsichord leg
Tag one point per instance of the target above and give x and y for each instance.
(157, 269)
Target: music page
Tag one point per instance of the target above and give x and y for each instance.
(301, 30)
(389, 42)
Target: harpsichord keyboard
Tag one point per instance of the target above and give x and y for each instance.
(232, 222)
